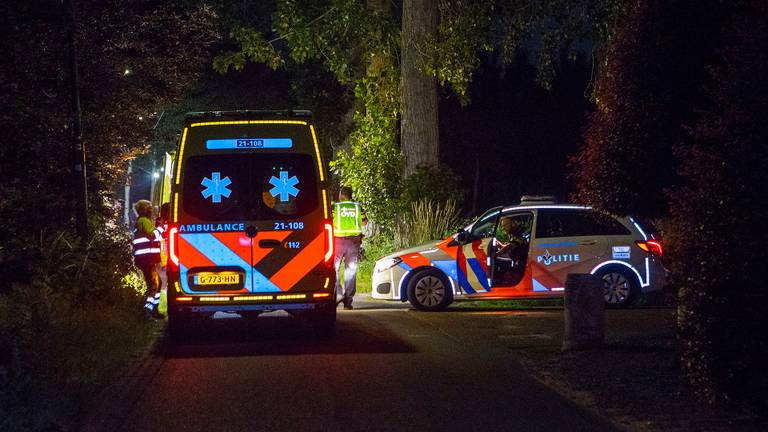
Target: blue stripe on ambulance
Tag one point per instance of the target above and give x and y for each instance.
(219, 254)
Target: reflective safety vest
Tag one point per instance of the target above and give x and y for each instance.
(162, 229)
(147, 246)
(347, 219)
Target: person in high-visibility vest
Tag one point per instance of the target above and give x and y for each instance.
(348, 221)
(146, 254)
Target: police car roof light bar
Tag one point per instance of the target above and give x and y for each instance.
(538, 199)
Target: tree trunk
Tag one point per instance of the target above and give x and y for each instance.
(418, 92)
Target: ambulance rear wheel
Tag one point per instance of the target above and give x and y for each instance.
(620, 287)
(430, 291)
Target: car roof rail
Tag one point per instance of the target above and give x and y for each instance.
(538, 199)
(249, 114)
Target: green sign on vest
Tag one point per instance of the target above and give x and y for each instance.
(347, 219)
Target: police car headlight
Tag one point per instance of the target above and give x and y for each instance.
(386, 264)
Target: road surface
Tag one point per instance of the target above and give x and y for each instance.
(389, 368)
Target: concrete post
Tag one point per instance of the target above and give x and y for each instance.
(584, 309)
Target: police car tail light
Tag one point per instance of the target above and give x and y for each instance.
(653, 247)
(173, 245)
(328, 243)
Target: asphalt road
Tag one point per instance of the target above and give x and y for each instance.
(389, 368)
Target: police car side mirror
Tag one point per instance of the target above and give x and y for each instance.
(462, 237)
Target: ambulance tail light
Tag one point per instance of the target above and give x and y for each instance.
(328, 244)
(173, 245)
(653, 247)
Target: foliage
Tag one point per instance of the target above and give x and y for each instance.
(469, 27)
(374, 247)
(462, 32)
(426, 220)
(372, 165)
(123, 76)
(358, 47)
(68, 329)
(720, 212)
(651, 72)
(65, 318)
(438, 184)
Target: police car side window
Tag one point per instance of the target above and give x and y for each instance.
(569, 223)
(485, 226)
(606, 225)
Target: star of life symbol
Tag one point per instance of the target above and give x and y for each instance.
(216, 187)
(284, 186)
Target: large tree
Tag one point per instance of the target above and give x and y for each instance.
(419, 138)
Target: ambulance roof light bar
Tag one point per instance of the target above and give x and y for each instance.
(249, 114)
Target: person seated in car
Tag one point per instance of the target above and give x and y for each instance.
(512, 253)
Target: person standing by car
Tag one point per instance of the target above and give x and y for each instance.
(146, 255)
(348, 221)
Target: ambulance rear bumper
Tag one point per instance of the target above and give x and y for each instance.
(254, 307)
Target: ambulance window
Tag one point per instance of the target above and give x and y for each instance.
(569, 223)
(249, 187)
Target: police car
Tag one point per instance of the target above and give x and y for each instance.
(526, 251)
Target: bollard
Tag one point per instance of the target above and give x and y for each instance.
(584, 310)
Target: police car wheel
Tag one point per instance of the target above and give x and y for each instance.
(619, 287)
(429, 290)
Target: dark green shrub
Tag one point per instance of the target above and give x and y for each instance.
(73, 325)
(431, 184)
(719, 220)
(647, 85)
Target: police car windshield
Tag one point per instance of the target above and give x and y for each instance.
(249, 186)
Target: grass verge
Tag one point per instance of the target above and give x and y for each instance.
(63, 353)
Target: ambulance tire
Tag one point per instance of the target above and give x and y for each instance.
(620, 286)
(429, 290)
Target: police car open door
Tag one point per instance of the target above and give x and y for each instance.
(510, 254)
(472, 257)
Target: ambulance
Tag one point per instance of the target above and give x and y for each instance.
(250, 227)
(526, 251)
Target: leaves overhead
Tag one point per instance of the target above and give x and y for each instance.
(548, 30)
(358, 46)
(133, 56)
